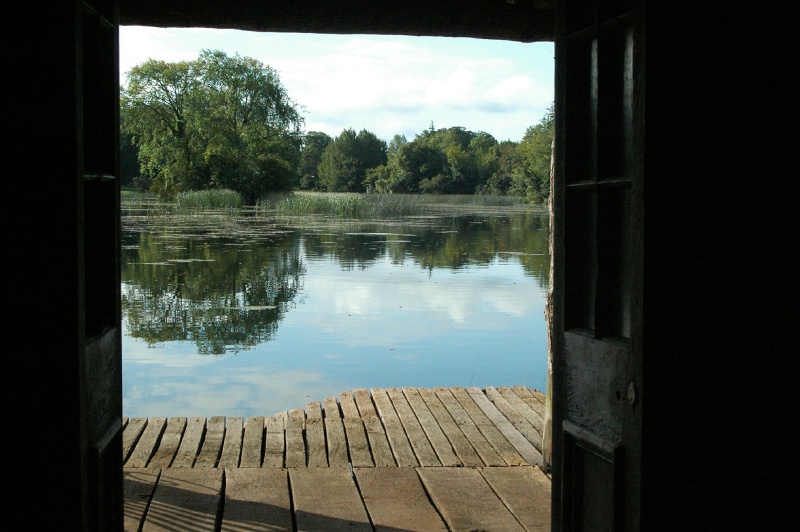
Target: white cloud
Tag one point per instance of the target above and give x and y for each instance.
(386, 84)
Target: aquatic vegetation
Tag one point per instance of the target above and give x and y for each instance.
(355, 205)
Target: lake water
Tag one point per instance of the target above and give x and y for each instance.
(253, 315)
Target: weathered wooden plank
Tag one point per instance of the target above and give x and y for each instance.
(253, 442)
(441, 445)
(461, 445)
(185, 499)
(396, 500)
(535, 401)
(357, 442)
(212, 443)
(515, 417)
(147, 442)
(331, 408)
(347, 403)
(364, 403)
(232, 445)
(190, 443)
(297, 413)
(327, 499)
(512, 434)
(503, 447)
(381, 452)
(130, 435)
(465, 500)
(170, 441)
(315, 440)
(337, 442)
(395, 433)
(139, 485)
(295, 444)
(533, 417)
(256, 499)
(416, 436)
(314, 410)
(525, 491)
(485, 450)
(275, 441)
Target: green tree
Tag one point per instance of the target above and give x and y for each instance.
(314, 143)
(531, 177)
(217, 122)
(344, 163)
(157, 111)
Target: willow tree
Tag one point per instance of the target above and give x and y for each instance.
(216, 122)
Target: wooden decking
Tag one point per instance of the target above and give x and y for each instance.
(380, 459)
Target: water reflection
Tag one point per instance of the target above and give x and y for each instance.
(298, 311)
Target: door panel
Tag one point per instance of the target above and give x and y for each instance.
(101, 382)
(597, 183)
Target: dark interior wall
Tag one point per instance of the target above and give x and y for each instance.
(43, 318)
(718, 303)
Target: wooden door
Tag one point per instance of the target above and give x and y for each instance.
(597, 254)
(101, 378)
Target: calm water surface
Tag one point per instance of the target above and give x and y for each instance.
(245, 315)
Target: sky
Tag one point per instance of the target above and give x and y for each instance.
(389, 85)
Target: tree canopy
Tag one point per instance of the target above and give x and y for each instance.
(227, 122)
(216, 122)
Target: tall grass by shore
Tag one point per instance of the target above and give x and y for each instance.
(339, 204)
(354, 205)
(198, 200)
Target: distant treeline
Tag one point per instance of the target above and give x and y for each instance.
(227, 122)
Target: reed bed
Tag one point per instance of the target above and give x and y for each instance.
(354, 205)
(200, 200)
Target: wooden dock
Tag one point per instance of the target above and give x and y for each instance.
(379, 459)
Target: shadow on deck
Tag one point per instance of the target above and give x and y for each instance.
(379, 459)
